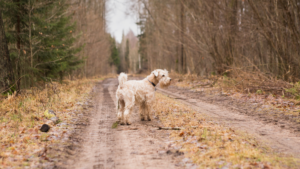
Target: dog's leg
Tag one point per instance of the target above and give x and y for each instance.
(118, 110)
(121, 107)
(129, 104)
(127, 113)
(148, 109)
(142, 111)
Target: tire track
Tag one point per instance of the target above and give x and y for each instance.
(279, 139)
(104, 155)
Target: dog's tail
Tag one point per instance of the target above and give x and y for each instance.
(122, 79)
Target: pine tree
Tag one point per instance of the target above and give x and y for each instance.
(53, 38)
(56, 37)
(114, 57)
(44, 38)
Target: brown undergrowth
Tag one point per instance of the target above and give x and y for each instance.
(211, 145)
(239, 80)
(258, 88)
(22, 144)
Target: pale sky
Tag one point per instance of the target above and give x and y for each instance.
(119, 18)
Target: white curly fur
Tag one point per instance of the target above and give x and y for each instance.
(140, 92)
(122, 79)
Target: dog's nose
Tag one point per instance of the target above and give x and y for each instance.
(170, 79)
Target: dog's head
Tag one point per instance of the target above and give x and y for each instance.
(162, 77)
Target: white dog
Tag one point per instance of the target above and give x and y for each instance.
(141, 92)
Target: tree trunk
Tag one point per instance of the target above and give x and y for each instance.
(183, 64)
(6, 73)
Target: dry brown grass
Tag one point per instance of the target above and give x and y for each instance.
(213, 146)
(196, 83)
(237, 80)
(248, 87)
(245, 82)
(22, 144)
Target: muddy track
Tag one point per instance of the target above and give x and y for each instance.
(137, 146)
(279, 139)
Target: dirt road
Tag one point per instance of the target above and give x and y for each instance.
(141, 145)
(127, 147)
(279, 139)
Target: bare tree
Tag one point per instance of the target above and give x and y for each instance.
(218, 36)
(91, 23)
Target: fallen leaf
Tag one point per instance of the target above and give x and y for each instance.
(25, 139)
(115, 125)
(22, 130)
(15, 152)
(181, 134)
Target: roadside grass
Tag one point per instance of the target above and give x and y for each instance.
(211, 145)
(276, 95)
(22, 144)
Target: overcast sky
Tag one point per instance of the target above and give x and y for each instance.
(120, 18)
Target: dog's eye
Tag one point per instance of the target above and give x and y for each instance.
(163, 75)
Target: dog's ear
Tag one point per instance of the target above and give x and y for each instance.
(155, 72)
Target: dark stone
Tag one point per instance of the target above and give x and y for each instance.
(45, 128)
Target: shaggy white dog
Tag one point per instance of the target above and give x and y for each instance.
(141, 92)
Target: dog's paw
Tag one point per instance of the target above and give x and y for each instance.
(142, 119)
(122, 123)
(128, 123)
(149, 118)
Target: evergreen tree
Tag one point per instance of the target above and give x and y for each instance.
(43, 34)
(55, 53)
(114, 57)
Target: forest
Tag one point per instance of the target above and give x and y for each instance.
(52, 39)
(221, 36)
